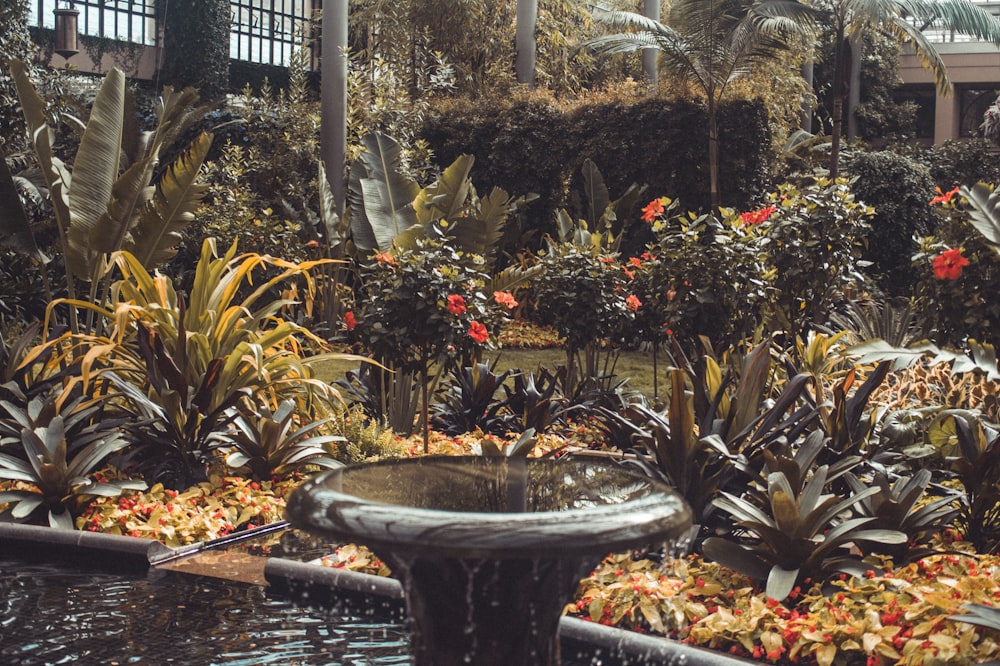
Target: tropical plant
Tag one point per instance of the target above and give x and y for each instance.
(55, 447)
(904, 20)
(708, 44)
(535, 401)
(266, 444)
(787, 535)
(814, 241)
(469, 402)
(705, 276)
(977, 466)
(382, 394)
(901, 506)
(114, 198)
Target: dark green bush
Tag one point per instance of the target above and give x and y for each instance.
(533, 146)
(899, 188)
(963, 162)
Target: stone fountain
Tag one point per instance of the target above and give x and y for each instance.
(489, 550)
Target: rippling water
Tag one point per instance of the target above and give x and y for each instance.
(49, 615)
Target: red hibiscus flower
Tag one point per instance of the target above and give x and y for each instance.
(385, 258)
(456, 304)
(633, 303)
(944, 197)
(350, 321)
(948, 265)
(478, 332)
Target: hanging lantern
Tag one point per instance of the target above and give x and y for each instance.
(66, 31)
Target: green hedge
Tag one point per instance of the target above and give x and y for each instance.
(532, 146)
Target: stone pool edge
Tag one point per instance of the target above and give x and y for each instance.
(324, 584)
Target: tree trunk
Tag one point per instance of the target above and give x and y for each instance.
(713, 155)
(333, 97)
(651, 57)
(838, 103)
(527, 20)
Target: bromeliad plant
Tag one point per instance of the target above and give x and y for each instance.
(269, 444)
(785, 535)
(55, 448)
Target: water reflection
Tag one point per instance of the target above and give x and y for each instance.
(50, 615)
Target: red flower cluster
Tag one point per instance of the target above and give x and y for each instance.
(456, 304)
(349, 321)
(944, 197)
(948, 265)
(758, 216)
(633, 303)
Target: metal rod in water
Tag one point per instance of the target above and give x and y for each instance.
(228, 540)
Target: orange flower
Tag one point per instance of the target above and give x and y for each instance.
(633, 303)
(456, 304)
(505, 298)
(635, 261)
(385, 258)
(478, 332)
(944, 197)
(948, 265)
(654, 209)
(350, 321)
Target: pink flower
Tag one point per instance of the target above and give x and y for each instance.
(456, 304)
(478, 332)
(505, 298)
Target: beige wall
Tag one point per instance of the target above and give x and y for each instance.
(967, 62)
(136, 61)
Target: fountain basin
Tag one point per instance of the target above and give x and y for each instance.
(489, 550)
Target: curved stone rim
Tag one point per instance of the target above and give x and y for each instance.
(652, 519)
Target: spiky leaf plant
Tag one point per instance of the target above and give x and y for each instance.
(469, 402)
(787, 536)
(55, 448)
(897, 506)
(269, 443)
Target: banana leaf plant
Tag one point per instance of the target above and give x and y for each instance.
(985, 212)
(55, 450)
(783, 537)
(114, 197)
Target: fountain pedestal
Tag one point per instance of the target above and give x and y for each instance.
(489, 550)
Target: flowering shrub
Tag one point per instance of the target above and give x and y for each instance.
(957, 279)
(583, 296)
(425, 305)
(704, 276)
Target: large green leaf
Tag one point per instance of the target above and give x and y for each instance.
(381, 197)
(42, 136)
(985, 213)
(597, 197)
(15, 232)
(95, 171)
(446, 197)
(177, 198)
